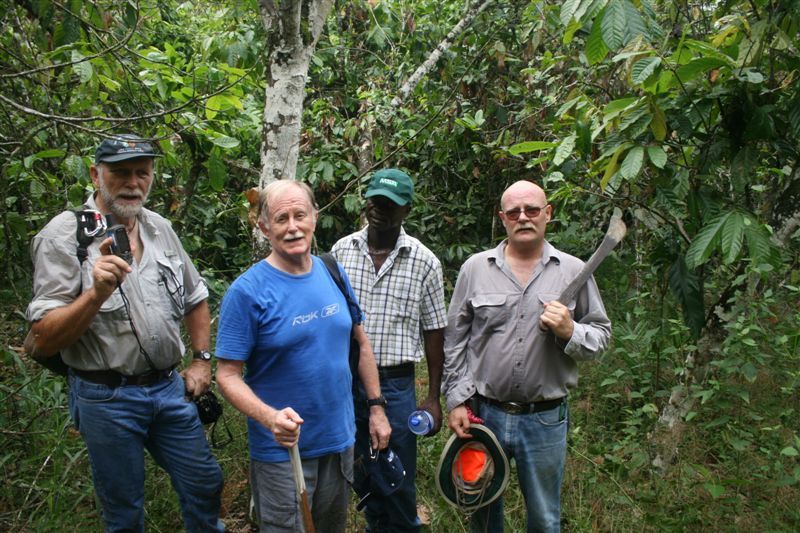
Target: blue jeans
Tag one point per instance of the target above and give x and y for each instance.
(118, 424)
(398, 511)
(538, 444)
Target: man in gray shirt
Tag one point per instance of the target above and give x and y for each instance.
(117, 326)
(513, 347)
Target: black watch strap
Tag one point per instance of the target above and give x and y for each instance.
(203, 355)
(380, 400)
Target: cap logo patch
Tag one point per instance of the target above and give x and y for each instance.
(389, 182)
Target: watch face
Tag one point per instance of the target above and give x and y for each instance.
(203, 355)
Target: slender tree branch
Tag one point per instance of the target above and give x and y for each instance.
(440, 49)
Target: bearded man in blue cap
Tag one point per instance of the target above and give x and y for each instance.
(115, 319)
(398, 282)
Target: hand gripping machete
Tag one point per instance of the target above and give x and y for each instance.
(616, 232)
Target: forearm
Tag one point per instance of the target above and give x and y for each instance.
(240, 395)
(63, 326)
(434, 356)
(367, 367)
(198, 325)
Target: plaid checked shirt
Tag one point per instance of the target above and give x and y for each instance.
(403, 299)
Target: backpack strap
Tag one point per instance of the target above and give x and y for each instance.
(333, 270)
(90, 224)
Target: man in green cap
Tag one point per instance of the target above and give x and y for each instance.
(398, 282)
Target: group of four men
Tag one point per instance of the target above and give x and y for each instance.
(282, 345)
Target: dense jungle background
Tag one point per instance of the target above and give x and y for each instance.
(684, 114)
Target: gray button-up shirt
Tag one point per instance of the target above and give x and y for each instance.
(162, 288)
(493, 344)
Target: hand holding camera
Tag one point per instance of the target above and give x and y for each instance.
(120, 244)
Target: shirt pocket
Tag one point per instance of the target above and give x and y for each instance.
(170, 286)
(113, 309)
(491, 312)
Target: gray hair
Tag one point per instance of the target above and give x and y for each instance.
(276, 188)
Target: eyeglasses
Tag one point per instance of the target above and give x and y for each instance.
(530, 212)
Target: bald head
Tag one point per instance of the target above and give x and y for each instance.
(523, 189)
(525, 214)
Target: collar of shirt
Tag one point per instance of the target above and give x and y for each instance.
(497, 254)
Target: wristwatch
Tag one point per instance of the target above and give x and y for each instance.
(203, 355)
(380, 400)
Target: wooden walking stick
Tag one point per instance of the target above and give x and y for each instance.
(300, 484)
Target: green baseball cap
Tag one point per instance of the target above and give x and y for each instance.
(393, 184)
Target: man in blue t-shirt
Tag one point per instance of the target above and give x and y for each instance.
(289, 322)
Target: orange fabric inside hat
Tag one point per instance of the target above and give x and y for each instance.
(470, 464)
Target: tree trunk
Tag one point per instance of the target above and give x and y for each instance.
(294, 28)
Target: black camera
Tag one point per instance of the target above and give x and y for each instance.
(208, 407)
(120, 245)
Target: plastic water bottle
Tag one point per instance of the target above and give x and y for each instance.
(420, 422)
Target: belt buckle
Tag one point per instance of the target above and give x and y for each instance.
(515, 408)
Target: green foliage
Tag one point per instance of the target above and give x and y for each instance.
(687, 116)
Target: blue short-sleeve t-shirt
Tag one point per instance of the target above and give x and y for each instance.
(293, 332)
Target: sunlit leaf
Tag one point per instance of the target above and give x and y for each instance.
(632, 164)
(564, 149)
(657, 156)
(530, 146)
(644, 68)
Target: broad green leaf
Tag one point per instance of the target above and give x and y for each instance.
(564, 149)
(789, 451)
(732, 237)
(568, 9)
(634, 24)
(644, 68)
(108, 83)
(705, 242)
(214, 105)
(698, 66)
(569, 33)
(715, 490)
(615, 107)
(632, 164)
(530, 146)
(217, 173)
(687, 288)
(658, 124)
(759, 244)
(657, 156)
(748, 75)
(613, 25)
(48, 154)
(611, 167)
(84, 68)
(223, 141)
(750, 372)
(595, 49)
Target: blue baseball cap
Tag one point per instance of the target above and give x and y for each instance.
(122, 147)
(384, 475)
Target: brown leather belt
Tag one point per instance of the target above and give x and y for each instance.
(113, 379)
(516, 408)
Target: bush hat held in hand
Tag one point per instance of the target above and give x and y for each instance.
(393, 184)
(122, 147)
(472, 472)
